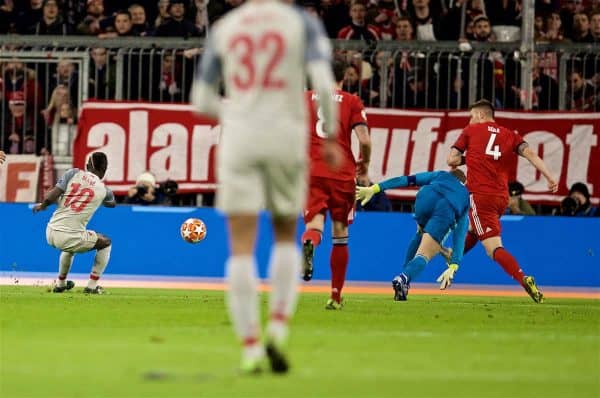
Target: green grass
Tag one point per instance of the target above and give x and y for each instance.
(73, 345)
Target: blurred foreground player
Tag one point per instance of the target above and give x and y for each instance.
(2, 157)
(79, 194)
(488, 148)
(333, 191)
(262, 51)
(441, 207)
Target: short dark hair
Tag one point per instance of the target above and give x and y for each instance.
(515, 188)
(483, 103)
(458, 173)
(339, 70)
(99, 163)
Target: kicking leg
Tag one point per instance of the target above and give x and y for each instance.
(428, 248)
(103, 247)
(311, 238)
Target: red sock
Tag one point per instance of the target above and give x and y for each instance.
(314, 235)
(339, 265)
(470, 241)
(509, 264)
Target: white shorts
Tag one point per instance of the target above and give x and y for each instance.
(277, 186)
(72, 242)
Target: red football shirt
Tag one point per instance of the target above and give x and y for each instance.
(351, 113)
(489, 153)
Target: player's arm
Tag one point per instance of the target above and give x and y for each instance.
(456, 156)
(364, 141)
(204, 95)
(525, 151)
(318, 66)
(109, 199)
(364, 194)
(458, 241)
(55, 193)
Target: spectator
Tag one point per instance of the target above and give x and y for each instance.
(567, 207)
(60, 95)
(506, 12)
(553, 28)
(18, 124)
(352, 80)
(581, 95)
(91, 23)
(169, 89)
(595, 26)
(51, 22)
(163, 13)
(29, 17)
(102, 75)
(404, 29)
(386, 18)
(63, 131)
(199, 13)
(516, 203)
(379, 201)
(217, 8)
(545, 89)
(358, 28)
(335, 15)
(177, 25)
(138, 19)
(482, 29)
(7, 19)
(581, 29)
(567, 12)
(424, 19)
(122, 26)
(580, 193)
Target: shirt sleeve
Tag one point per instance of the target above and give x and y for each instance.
(462, 141)
(359, 115)
(110, 196)
(318, 47)
(63, 182)
(210, 63)
(458, 238)
(517, 141)
(418, 179)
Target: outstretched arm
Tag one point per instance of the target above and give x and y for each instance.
(364, 194)
(51, 197)
(458, 240)
(538, 163)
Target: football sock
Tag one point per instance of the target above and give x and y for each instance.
(65, 262)
(413, 246)
(100, 262)
(415, 266)
(314, 235)
(339, 264)
(470, 241)
(509, 264)
(283, 271)
(242, 299)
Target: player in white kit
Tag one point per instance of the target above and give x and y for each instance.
(262, 51)
(78, 194)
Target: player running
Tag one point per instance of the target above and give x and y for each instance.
(333, 191)
(79, 194)
(262, 50)
(441, 207)
(488, 148)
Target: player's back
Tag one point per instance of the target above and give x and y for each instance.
(452, 190)
(84, 193)
(490, 152)
(350, 113)
(262, 48)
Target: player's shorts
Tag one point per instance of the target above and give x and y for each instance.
(72, 242)
(334, 195)
(434, 213)
(247, 188)
(485, 213)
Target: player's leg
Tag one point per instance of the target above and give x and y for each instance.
(413, 245)
(311, 238)
(61, 241)
(283, 275)
(242, 293)
(103, 246)
(428, 248)
(314, 220)
(338, 263)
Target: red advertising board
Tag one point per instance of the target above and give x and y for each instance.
(172, 142)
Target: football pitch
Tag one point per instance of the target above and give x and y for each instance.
(179, 343)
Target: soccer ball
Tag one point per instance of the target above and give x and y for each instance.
(193, 230)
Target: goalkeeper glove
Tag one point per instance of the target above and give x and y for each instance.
(364, 194)
(445, 279)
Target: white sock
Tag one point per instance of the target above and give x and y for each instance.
(284, 273)
(100, 262)
(64, 266)
(242, 300)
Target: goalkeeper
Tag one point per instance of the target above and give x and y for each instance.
(441, 207)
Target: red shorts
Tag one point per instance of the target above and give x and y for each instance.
(485, 213)
(328, 194)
